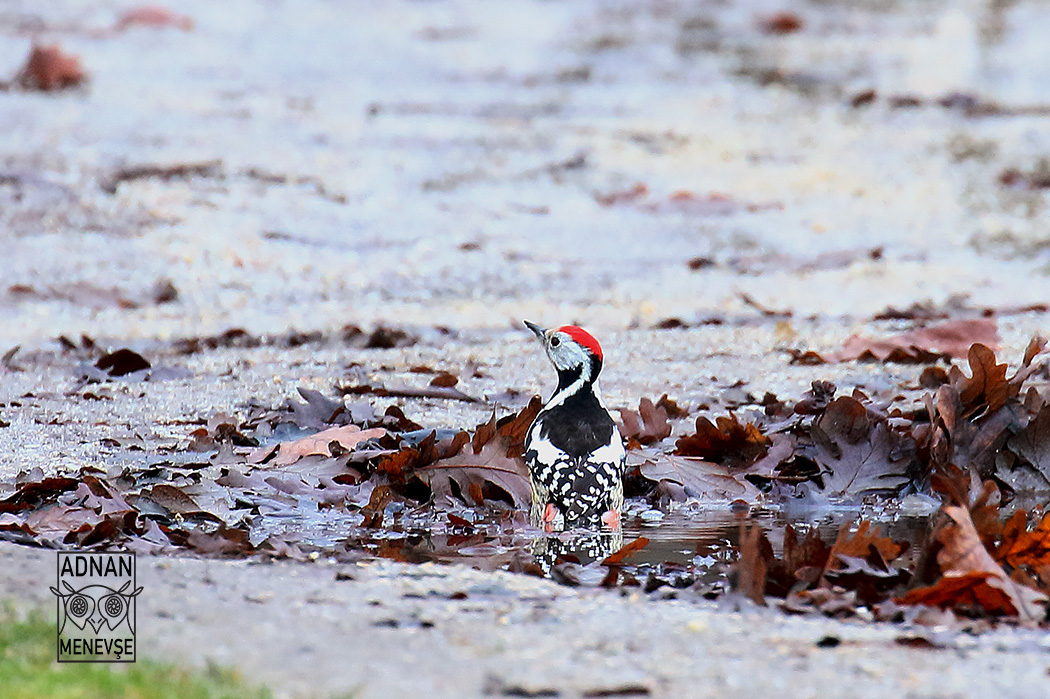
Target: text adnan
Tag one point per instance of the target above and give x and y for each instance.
(103, 566)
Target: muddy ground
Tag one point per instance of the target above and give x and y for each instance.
(448, 170)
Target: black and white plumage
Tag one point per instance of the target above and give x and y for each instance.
(573, 450)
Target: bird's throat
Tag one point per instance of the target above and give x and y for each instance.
(588, 374)
(567, 377)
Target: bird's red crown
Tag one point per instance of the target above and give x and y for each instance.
(582, 337)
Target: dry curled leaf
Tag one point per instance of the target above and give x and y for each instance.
(861, 544)
(49, 68)
(973, 590)
(122, 362)
(649, 424)
(473, 471)
(856, 451)
(986, 583)
(726, 442)
(749, 572)
(485, 466)
(1025, 548)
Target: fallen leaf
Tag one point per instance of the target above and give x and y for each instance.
(1031, 470)
(1022, 547)
(444, 380)
(635, 193)
(963, 553)
(856, 451)
(378, 389)
(30, 495)
(473, 470)
(701, 479)
(649, 424)
(172, 499)
(971, 437)
(782, 22)
(383, 337)
(749, 572)
(330, 442)
(921, 310)
(49, 68)
(976, 589)
(832, 602)
(122, 362)
(617, 558)
(166, 171)
(670, 406)
(859, 545)
(490, 458)
(800, 563)
(922, 346)
(816, 399)
(987, 384)
(726, 442)
(153, 16)
(223, 541)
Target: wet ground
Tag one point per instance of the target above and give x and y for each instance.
(450, 171)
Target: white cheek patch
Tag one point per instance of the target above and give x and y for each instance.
(569, 355)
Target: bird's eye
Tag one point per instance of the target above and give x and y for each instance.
(555, 341)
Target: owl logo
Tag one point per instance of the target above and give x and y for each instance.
(97, 605)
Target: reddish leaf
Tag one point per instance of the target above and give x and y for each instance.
(749, 577)
(154, 16)
(963, 553)
(330, 442)
(922, 346)
(472, 470)
(444, 380)
(48, 68)
(726, 442)
(977, 589)
(221, 542)
(617, 558)
(780, 23)
(638, 191)
(1022, 547)
(987, 385)
(859, 545)
(30, 495)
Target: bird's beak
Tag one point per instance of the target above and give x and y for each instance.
(540, 332)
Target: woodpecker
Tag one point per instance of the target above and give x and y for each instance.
(573, 450)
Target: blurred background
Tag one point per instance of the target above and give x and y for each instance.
(274, 165)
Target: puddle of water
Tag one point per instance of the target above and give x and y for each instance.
(689, 545)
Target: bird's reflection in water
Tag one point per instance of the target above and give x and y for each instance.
(583, 547)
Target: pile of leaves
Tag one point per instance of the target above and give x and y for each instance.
(973, 565)
(853, 446)
(319, 474)
(243, 486)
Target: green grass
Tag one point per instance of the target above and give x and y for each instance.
(28, 670)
